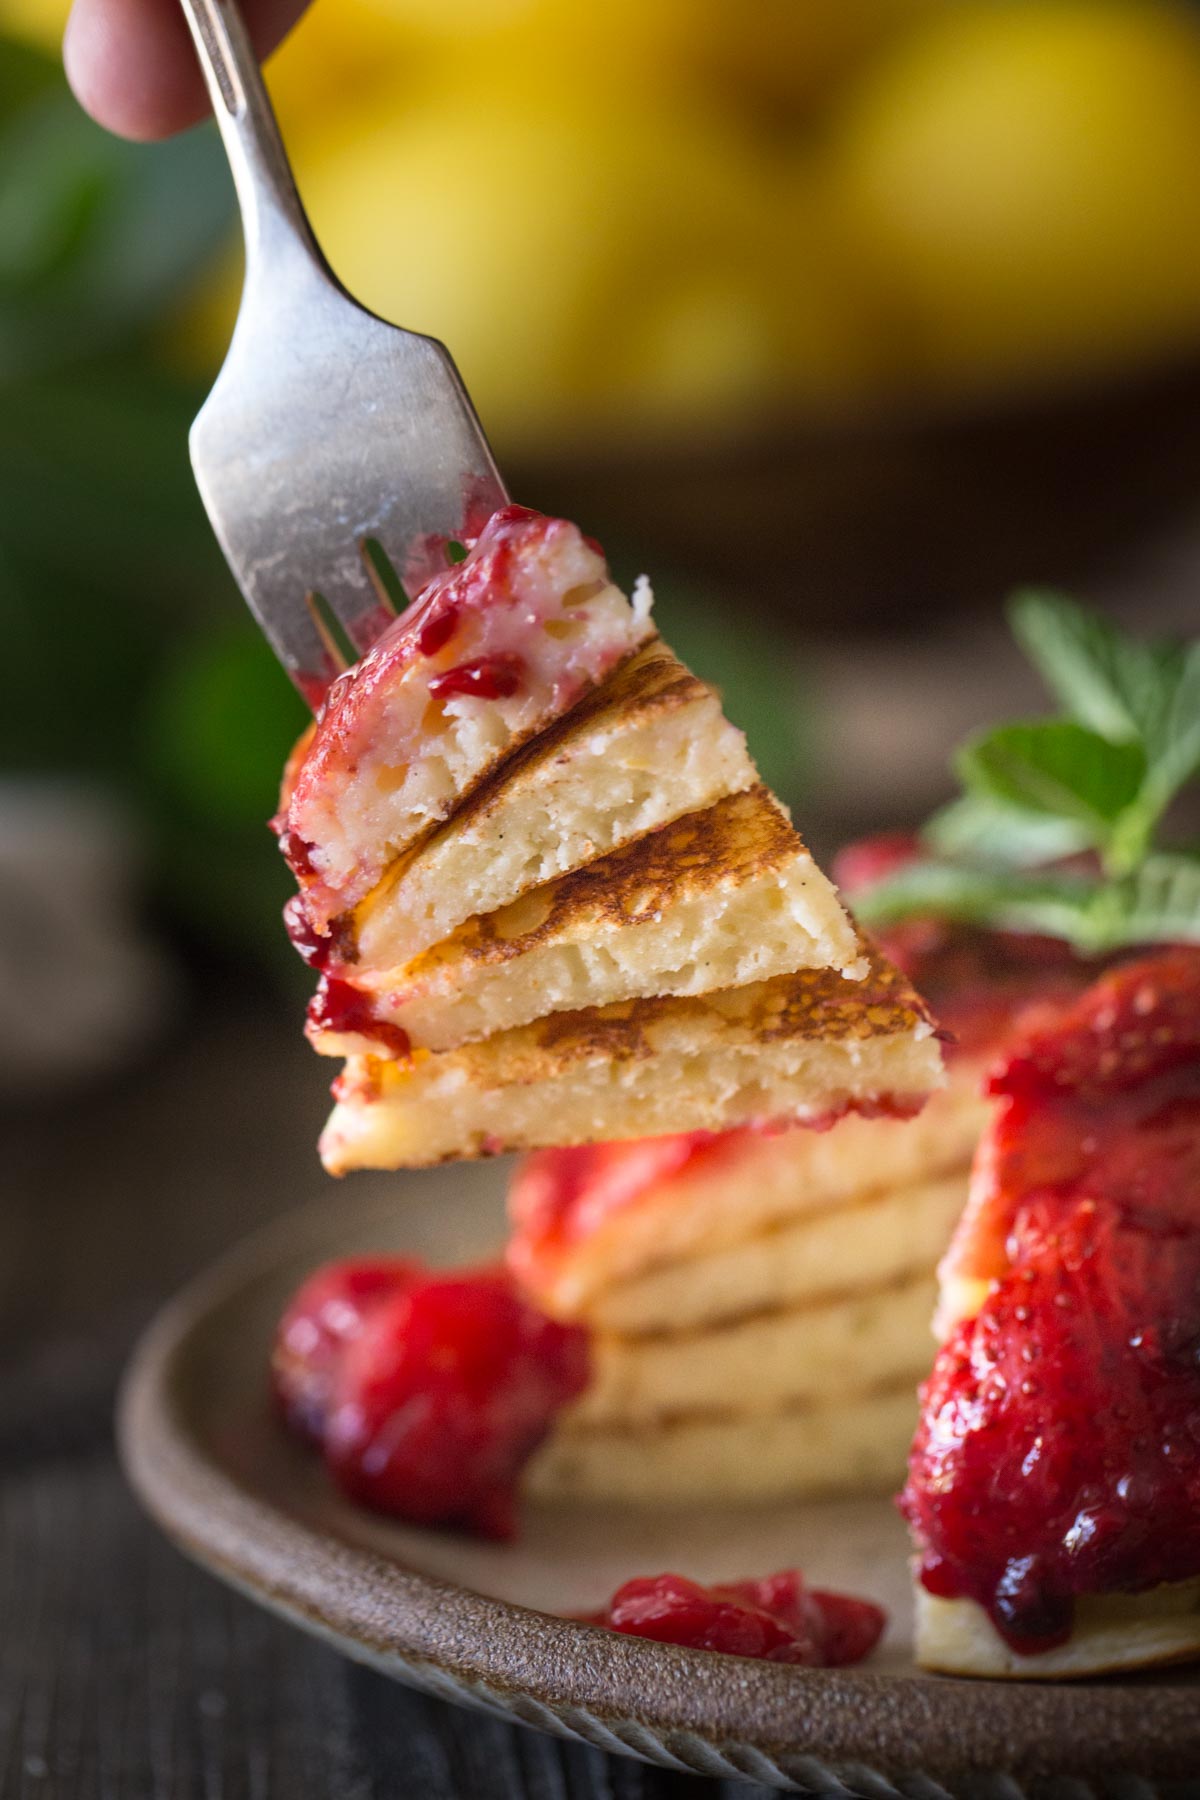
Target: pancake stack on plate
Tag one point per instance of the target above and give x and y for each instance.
(549, 899)
(759, 1305)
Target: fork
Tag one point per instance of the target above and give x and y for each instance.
(328, 434)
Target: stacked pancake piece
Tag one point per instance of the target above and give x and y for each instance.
(759, 1305)
(547, 895)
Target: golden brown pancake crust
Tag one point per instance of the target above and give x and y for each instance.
(649, 684)
(743, 837)
(812, 1004)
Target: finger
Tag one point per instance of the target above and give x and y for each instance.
(133, 66)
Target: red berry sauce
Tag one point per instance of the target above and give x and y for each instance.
(443, 1396)
(980, 984)
(297, 853)
(308, 944)
(338, 1006)
(1059, 1448)
(559, 1197)
(486, 678)
(438, 629)
(479, 580)
(321, 1319)
(777, 1619)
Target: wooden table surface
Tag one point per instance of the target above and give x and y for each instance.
(125, 1673)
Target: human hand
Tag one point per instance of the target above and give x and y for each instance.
(133, 66)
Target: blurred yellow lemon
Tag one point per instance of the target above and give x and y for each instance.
(579, 253)
(781, 51)
(35, 21)
(339, 55)
(1023, 181)
(837, 353)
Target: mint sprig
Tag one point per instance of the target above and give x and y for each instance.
(1100, 777)
(1058, 769)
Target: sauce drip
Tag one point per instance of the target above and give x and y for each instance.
(308, 944)
(338, 1006)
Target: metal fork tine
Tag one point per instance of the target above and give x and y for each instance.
(364, 616)
(337, 660)
(375, 576)
(303, 646)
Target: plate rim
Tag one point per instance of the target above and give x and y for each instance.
(694, 1710)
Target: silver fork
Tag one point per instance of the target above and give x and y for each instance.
(327, 430)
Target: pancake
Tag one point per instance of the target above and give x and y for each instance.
(494, 650)
(851, 1249)
(796, 1454)
(647, 746)
(717, 899)
(1110, 1632)
(630, 1236)
(834, 1350)
(800, 1048)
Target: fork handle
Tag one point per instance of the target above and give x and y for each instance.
(273, 216)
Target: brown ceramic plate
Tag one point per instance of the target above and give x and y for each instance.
(477, 1623)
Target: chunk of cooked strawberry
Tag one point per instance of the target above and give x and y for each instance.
(774, 1619)
(444, 1395)
(323, 1317)
(1139, 1021)
(1059, 1447)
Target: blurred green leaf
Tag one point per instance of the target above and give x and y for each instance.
(219, 726)
(1158, 904)
(95, 483)
(95, 234)
(1056, 768)
(25, 74)
(1001, 899)
(1105, 679)
(1126, 689)
(980, 828)
(127, 649)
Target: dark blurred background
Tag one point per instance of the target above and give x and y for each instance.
(838, 317)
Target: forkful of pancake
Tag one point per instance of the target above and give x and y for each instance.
(546, 895)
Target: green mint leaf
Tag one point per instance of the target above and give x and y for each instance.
(1038, 792)
(979, 828)
(1057, 768)
(1004, 901)
(455, 552)
(1160, 903)
(1114, 684)
(1173, 745)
